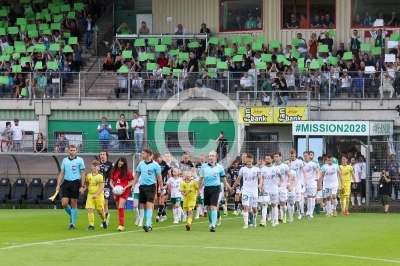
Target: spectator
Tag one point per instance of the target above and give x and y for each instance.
(358, 84)
(40, 84)
(374, 168)
(292, 23)
(137, 86)
(379, 37)
(247, 82)
(62, 144)
(207, 31)
(7, 87)
(328, 23)
(312, 43)
(303, 21)
(237, 24)
(324, 39)
(384, 181)
(368, 20)
(152, 90)
(281, 90)
(392, 168)
(138, 132)
(222, 148)
(357, 22)
(266, 90)
(122, 84)
(167, 86)
(123, 134)
(180, 31)
(66, 72)
(372, 85)
(77, 57)
(162, 61)
(380, 16)
(394, 21)
(104, 130)
(387, 85)
(345, 82)
(19, 83)
(330, 86)
(108, 62)
(341, 50)
(115, 47)
(143, 30)
(303, 46)
(355, 43)
(316, 23)
(18, 135)
(39, 145)
(315, 83)
(88, 32)
(124, 29)
(193, 72)
(6, 138)
(251, 23)
(52, 84)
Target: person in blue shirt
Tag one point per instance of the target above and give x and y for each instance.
(211, 176)
(358, 83)
(148, 172)
(72, 181)
(104, 133)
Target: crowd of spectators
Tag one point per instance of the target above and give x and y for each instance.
(159, 66)
(40, 44)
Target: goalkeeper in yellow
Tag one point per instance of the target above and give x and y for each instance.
(94, 182)
(189, 189)
(347, 173)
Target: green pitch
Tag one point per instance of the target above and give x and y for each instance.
(40, 237)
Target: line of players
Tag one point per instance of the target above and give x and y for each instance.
(269, 184)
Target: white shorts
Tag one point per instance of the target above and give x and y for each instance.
(221, 196)
(249, 200)
(136, 188)
(319, 194)
(283, 195)
(264, 198)
(298, 191)
(303, 189)
(328, 192)
(273, 198)
(291, 196)
(311, 191)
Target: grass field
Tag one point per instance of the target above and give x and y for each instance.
(40, 237)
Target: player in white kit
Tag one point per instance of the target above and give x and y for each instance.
(330, 175)
(252, 181)
(312, 172)
(287, 178)
(139, 212)
(272, 179)
(292, 193)
(174, 184)
(298, 166)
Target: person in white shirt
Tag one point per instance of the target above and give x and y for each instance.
(252, 181)
(18, 135)
(137, 85)
(345, 83)
(272, 179)
(138, 132)
(356, 186)
(363, 168)
(292, 194)
(302, 49)
(330, 175)
(287, 179)
(247, 82)
(312, 172)
(298, 166)
(5, 138)
(173, 185)
(387, 85)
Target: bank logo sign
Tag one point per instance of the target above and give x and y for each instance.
(272, 115)
(342, 128)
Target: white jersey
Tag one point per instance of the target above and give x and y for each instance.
(298, 165)
(363, 169)
(250, 179)
(174, 185)
(357, 172)
(311, 172)
(271, 178)
(284, 168)
(330, 175)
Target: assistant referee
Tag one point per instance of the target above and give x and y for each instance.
(211, 175)
(72, 181)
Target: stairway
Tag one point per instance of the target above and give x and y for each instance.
(90, 68)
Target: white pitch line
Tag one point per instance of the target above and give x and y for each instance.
(97, 236)
(248, 249)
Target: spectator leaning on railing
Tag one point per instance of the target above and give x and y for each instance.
(104, 130)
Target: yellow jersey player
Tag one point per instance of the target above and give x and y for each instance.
(347, 173)
(189, 189)
(94, 182)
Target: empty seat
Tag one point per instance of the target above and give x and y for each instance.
(18, 192)
(49, 190)
(5, 189)
(35, 192)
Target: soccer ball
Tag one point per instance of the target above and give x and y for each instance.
(118, 190)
